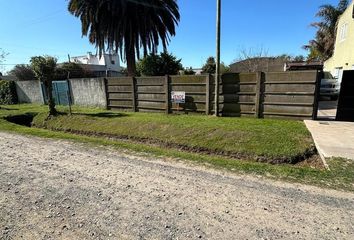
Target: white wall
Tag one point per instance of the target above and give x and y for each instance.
(88, 92)
(29, 92)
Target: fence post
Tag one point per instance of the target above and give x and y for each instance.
(134, 94)
(105, 80)
(259, 94)
(207, 93)
(167, 94)
(319, 76)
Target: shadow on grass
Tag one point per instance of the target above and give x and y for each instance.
(22, 119)
(103, 115)
(9, 109)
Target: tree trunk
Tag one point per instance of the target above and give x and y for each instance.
(131, 63)
(51, 102)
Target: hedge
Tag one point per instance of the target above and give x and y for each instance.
(8, 93)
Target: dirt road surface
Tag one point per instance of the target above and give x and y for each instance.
(60, 190)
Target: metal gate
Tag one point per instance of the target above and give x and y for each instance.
(345, 111)
(61, 93)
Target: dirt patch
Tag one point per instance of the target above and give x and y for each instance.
(314, 162)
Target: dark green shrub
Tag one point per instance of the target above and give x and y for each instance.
(8, 93)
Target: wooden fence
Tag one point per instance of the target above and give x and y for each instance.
(261, 95)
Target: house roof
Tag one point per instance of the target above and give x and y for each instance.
(316, 65)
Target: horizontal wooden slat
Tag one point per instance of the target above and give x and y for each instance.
(290, 82)
(289, 93)
(188, 84)
(287, 104)
(287, 114)
(119, 106)
(151, 93)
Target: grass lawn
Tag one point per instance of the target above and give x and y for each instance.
(245, 138)
(252, 137)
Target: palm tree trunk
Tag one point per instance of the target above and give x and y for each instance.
(51, 102)
(131, 63)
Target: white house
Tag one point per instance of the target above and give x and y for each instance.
(343, 56)
(107, 64)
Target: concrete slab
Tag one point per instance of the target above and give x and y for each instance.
(333, 139)
(327, 109)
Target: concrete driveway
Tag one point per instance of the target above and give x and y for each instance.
(333, 139)
(327, 110)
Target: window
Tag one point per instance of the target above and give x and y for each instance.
(337, 72)
(343, 31)
(113, 62)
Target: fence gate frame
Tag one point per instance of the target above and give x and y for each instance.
(61, 92)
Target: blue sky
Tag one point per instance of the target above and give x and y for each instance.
(29, 28)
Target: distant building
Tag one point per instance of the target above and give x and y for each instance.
(343, 56)
(106, 65)
(259, 64)
(273, 64)
(198, 71)
(303, 66)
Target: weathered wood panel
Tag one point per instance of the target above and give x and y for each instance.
(278, 94)
(304, 76)
(147, 89)
(150, 81)
(289, 94)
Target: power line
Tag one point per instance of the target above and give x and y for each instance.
(40, 19)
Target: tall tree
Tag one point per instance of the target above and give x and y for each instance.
(325, 38)
(127, 25)
(159, 65)
(3, 54)
(210, 66)
(44, 69)
(23, 72)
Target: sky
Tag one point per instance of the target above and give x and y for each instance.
(41, 27)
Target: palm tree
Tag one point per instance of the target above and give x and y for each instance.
(127, 26)
(323, 44)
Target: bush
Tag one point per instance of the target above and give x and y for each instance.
(8, 93)
(159, 65)
(75, 70)
(23, 72)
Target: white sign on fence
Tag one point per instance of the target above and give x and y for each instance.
(178, 97)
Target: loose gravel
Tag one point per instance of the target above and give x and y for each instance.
(52, 189)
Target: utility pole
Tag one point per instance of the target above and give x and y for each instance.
(217, 73)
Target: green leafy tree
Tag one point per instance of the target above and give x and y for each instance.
(210, 66)
(189, 71)
(287, 57)
(3, 54)
(299, 58)
(23, 72)
(44, 69)
(314, 54)
(224, 68)
(71, 70)
(323, 44)
(127, 26)
(159, 65)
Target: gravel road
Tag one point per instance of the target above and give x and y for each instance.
(53, 189)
